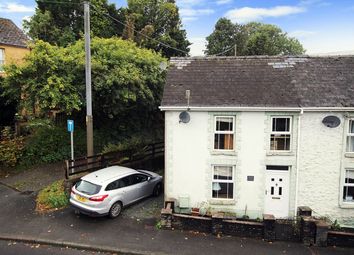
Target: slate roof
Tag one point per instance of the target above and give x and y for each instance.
(10, 34)
(261, 81)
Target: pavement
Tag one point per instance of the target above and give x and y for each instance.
(133, 232)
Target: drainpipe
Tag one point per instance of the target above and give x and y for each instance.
(298, 158)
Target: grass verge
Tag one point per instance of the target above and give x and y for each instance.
(52, 197)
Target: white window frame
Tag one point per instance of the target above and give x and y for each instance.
(348, 134)
(224, 132)
(2, 61)
(346, 185)
(223, 181)
(280, 132)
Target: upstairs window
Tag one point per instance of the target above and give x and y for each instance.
(280, 135)
(2, 59)
(350, 137)
(224, 133)
(348, 186)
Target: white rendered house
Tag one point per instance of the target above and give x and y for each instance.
(264, 136)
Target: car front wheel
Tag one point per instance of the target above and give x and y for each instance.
(115, 210)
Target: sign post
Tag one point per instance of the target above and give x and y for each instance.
(70, 124)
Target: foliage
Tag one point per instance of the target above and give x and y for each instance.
(160, 20)
(335, 225)
(45, 80)
(251, 39)
(8, 108)
(52, 196)
(136, 143)
(63, 24)
(125, 79)
(49, 144)
(11, 147)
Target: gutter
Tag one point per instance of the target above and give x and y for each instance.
(298, 160)
(256, 109)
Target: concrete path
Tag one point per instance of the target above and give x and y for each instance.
(125, 234)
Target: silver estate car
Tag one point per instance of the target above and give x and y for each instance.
(107, 191)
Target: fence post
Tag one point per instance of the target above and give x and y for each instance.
(269, 227)
(103, 161)
(66, 169)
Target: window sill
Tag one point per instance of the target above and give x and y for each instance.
(221, 152)
(349, 154)
(280, 153)
(215, 201)
(347, 205)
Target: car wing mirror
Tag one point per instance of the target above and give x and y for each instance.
(149, 178)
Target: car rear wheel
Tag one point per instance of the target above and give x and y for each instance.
(115, 210)
(157, 190)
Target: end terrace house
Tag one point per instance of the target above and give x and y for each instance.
(261, 135)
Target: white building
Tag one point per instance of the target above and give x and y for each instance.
(265, 135)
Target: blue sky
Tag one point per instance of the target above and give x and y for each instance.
(322, 26)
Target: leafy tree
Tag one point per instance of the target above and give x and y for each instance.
(62, 22)
(158, 19)
(126, 80)
(251, 39)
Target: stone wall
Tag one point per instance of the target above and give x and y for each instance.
(305, 228)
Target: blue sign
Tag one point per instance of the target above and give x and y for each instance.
(70, 125)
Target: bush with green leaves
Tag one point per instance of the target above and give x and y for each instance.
(11, 147)
(49, 144)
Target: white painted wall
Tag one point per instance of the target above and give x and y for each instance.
(322, 164)
(186, 156)
(190, 156)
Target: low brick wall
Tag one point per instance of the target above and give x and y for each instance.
(195, 223)
(243, 228)
(309, 230)
(287, 230)
(337, 238)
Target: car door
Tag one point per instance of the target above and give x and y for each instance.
(116, 190)
(139, 182)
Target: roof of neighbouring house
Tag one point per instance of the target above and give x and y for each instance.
(10, 34)
(261, 81)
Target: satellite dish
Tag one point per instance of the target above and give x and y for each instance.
(184, 117)
(331, 121)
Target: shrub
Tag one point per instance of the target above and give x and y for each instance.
(135, 143)
(52, 196)
(11, 147)
(49, 144)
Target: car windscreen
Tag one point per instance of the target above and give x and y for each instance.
(87, 187)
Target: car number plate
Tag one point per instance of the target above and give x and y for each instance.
(81, 199)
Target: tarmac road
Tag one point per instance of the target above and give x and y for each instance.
(126, 234)
(16, 248)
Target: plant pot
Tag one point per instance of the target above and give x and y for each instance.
(195, 211)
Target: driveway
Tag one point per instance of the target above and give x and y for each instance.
(128, 233)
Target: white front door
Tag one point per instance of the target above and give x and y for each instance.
(277, 193)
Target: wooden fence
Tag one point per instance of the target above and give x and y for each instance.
(150, 157)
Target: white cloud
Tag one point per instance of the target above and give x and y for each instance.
(195, 12)
(189, 14)
(221, 2)
(247, 14)
(15, 8)
(189, 3)
(188, 19)
(27, 18)
(301, 33)
(198, 46)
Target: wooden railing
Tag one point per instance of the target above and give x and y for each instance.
(149, 156)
